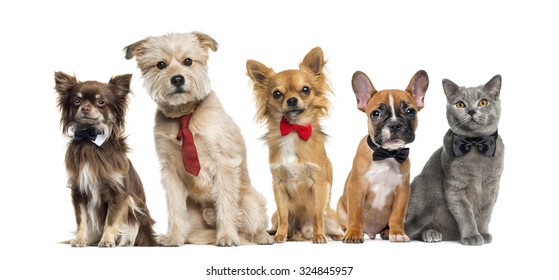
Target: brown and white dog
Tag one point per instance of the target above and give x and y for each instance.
(202, 153)
(377, 188)
(291, 103)
(107, 194)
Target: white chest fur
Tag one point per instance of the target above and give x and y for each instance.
(290, 162)
(383, 177)
(88, 185)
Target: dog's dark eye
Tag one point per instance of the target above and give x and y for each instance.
(77, 101)
(277, 94)
(161, 65)
(101, 102)
(187, 62)
(306, 90)
(375, 114)
(410, 112)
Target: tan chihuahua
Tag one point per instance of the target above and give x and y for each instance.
(291, 103)
(377, 189)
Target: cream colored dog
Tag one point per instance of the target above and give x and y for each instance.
(209, 193)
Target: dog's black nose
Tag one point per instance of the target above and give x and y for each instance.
(177, 80)
(292, 101)
(394, 126)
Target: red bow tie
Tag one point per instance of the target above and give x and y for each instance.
(304, 131)
(189, 153)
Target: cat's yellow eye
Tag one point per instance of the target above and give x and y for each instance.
(460, 104)
(483, 103)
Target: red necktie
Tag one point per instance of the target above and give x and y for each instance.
(189, 154)
(304, 131)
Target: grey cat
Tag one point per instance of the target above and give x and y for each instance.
(453, 197)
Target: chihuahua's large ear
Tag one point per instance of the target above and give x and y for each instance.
(314, 61)
(258, 72)
(363, 89)
(64, 82)
(121, 83)
(206, 41)
(493, 87)
(418, 86)
(134, 49)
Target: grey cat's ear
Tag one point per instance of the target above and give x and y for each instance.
(363, 89)
(449, 88)
(418, 86)
(493, 87)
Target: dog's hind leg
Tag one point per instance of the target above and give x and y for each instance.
(254, 219)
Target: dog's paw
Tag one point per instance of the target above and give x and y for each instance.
(431, 235)
(106, 243)
(487, 238)
(169, 240)
(264, 239)
(319, 239)
(280, 238)
(297, 235)
(398, 238)
(227, 241)
(385, 234)
(474, 240)
(78, 243)
(210, 216)
(353, 237)
(336, 237)
(307, 231)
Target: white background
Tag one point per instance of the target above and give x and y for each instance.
(468, 43)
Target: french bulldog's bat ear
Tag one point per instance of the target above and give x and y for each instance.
(418, 86)
(363, 89)
(493, 87)
(314, 61)
(64, 82)
(206, 41)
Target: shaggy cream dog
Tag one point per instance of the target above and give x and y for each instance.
(209, 194)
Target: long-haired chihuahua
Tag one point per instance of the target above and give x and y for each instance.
(291, 103)
(107, 194)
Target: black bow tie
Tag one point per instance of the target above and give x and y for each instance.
(88, 133)
(486, 145)
(380, 153)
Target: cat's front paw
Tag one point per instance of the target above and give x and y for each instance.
(431, 235)
(474, 240)
(487, 238)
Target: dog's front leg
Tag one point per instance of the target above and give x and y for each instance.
(116, 213)
(176, 210)
(227, 199)
(321, 194)
(282, 205)
(396, 220)
(355, 197)
(80, 240)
